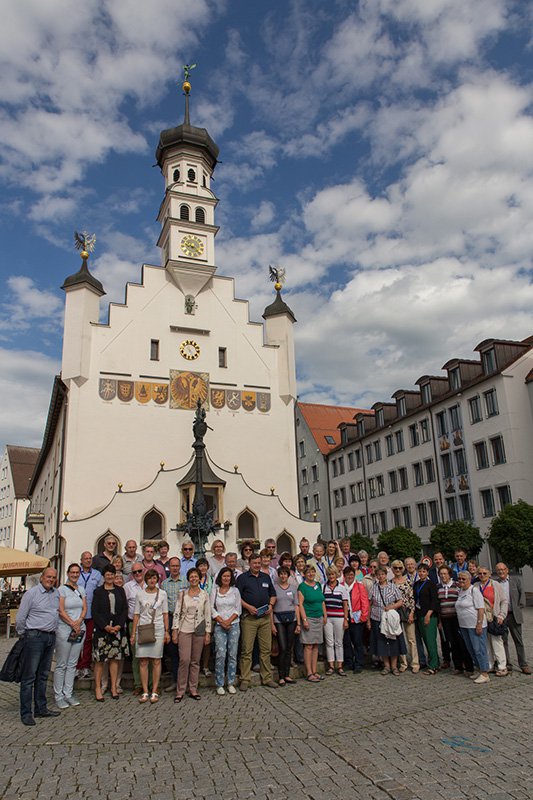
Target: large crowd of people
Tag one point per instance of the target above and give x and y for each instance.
(240, 612)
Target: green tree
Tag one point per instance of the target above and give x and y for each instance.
(511, 534)
(447, 537)
(400, 543)
(359, 542)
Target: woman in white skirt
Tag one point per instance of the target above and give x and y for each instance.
(151, 605)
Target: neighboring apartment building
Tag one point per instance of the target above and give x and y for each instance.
(317, 434)
(16, 469)
(459, 447)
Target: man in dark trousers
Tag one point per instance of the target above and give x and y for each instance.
(37, 621)
(514, 593)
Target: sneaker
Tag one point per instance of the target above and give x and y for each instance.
(207, 672)
(62, 703)
(221, 690)
(73, 701)
(232, 689)
(482, 679)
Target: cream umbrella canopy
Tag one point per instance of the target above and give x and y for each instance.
(15, 563)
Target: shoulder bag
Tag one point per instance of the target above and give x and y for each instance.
(146, 632)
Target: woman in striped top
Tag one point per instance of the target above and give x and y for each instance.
(448, 591)
(336, 600)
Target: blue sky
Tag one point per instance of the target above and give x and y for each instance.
(381, 151)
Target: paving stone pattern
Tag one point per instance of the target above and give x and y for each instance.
(402, 738)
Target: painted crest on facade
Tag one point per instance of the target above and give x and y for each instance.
(143, 391)
(160, 393)
(263, 401)
(233, 399)
(218, 398)
(107, 389)
(248, 401)
(186, 388)
(125, 391)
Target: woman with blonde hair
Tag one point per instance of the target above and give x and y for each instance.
(407, 616)
(216, 560)
(336, 601)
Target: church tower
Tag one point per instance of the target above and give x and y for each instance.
(187, 157)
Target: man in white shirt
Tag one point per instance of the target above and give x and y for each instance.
(132, 588)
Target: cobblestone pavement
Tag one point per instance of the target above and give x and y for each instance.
(407, 738)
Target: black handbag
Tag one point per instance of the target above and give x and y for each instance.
(286, 617)
(495, 629)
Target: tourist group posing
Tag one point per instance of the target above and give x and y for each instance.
(242, 610)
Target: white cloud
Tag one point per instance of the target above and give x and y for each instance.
(26, 378)
(263, 215)
(26, 306)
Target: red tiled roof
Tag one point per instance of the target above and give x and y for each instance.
(324, 421)
(22, 461)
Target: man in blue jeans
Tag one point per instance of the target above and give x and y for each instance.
(37, 620)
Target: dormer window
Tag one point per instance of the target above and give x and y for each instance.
(176, 175)
(455, 378)
(402, 407)
(426, 393)
(380, 418)
(489, 361)
(184, 212)
(199, 216)
(191, 176)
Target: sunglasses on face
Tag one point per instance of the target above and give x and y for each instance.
(136, 572)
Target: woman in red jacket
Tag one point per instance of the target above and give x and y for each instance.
(358, 611)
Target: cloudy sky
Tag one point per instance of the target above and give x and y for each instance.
(382, 151)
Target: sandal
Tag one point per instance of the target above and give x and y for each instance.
(144, 697)
(281, 682)
(290, 681)
(313, 679)
(178, 698)
(154, 697)
(430, 671)
(319, 677)
(341, 672)
(395, 671)
(330, 671)
(385, 671)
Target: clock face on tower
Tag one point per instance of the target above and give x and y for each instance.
(192, 246)
(189, 349)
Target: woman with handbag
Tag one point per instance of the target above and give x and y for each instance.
(206, 585)
(385, 597)
(110, 643)
(191, 631)
(226, 612)
(69, 637)
(149, 632)
(407, 616)
(496, 609)
(285, 622)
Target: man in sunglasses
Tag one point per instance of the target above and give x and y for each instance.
(187, 560)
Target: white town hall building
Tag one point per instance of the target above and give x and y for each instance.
(117, 450)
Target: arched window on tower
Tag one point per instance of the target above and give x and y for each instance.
(246, 525)
(184, 212)
(199, 216)
(152, 525)
(176, 175)
(191, 176)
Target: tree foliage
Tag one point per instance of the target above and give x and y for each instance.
(359, 542)
(511, 534)
(447, 537)
(400, 543)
